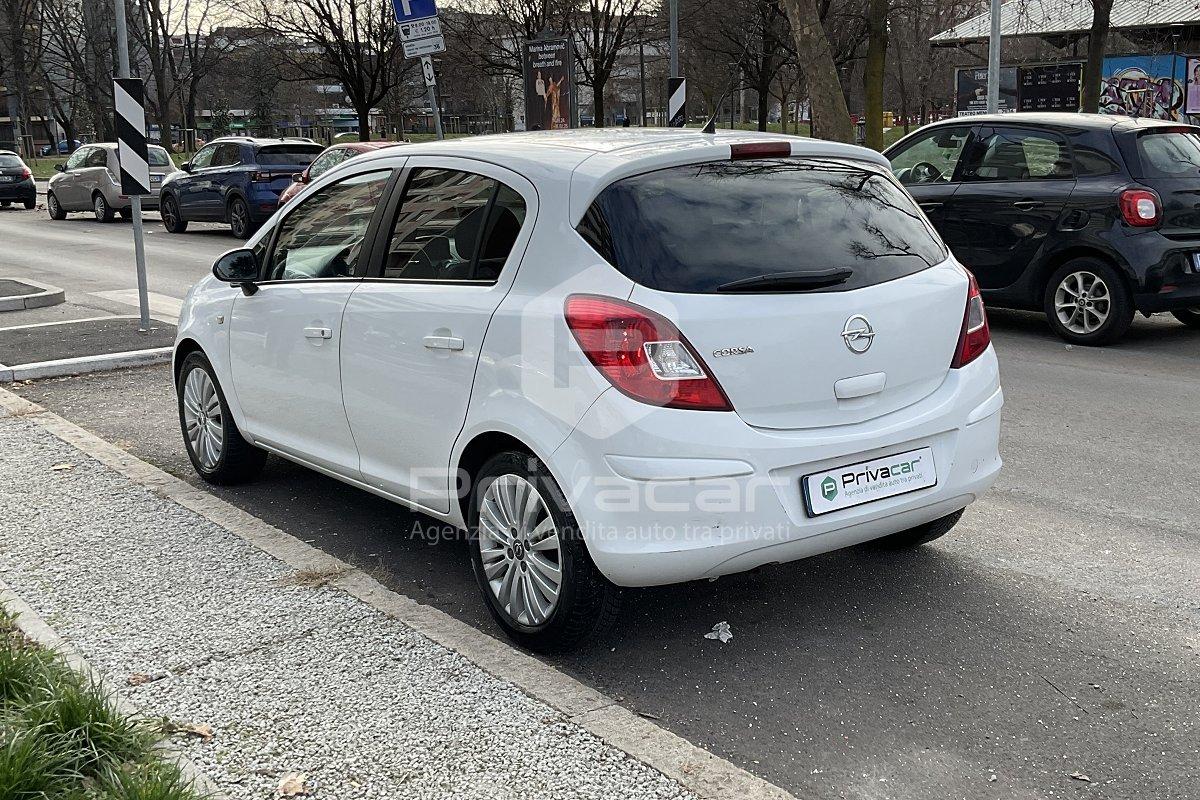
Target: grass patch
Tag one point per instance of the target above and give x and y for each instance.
(62, 737)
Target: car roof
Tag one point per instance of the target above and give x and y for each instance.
(9, 153)
(261, 141)
(588, 159)
(1060, 119)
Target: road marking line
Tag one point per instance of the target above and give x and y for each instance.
(63, 322)
(709, 776)
(160, 304)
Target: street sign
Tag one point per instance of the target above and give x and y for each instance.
(420, 29)
(427, 69)
(424, 47)
(676, 102)
(131, 136)
(408, 10)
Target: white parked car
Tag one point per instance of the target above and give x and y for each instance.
(615, 357)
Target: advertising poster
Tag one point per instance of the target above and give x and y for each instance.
(971, 91)
(549, 84)
(1193, 86)
(1144, 86)
(1050, 87)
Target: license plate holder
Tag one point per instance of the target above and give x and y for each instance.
(868, 481)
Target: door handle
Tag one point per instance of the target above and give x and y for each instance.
(444, 343)
(1026, 205)
(318, 333)
(929, 206)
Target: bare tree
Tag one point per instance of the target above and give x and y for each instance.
(352, 42)
(18, 17)
(830, 116)
(1093, 71)
(601, 29)
(873, 71)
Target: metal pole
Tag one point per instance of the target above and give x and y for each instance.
(993, 87)
(674, 38)
(431, 86)
(139, 244)
(642, 78)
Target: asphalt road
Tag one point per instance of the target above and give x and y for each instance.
(1053, 632)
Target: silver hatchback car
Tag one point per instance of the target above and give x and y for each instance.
(91, 181)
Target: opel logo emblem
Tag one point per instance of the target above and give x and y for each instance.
(858, 334)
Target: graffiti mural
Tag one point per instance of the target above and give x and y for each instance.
(1145, 86)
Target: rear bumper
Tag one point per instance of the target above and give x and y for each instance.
(1171, 278)
(664, 496)
(20, 191)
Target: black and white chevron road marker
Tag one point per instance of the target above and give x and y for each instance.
(130, 118)
(676, 102)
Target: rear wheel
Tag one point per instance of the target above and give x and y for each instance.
(101, 209)
(30, 205)
(1188, 316)
(215, 446)
(169, 211)
(914, 537)
(4, 204)
(56, 211)
(1087, 302)
(240, 223)
(530, 560)
(126, 213)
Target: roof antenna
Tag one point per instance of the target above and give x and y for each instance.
(711, 126)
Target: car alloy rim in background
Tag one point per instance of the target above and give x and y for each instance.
(168, 211)
(202, 418)
(237, 216)
(1082, 302)
(52, 203)
(520, 549)
(99, 207)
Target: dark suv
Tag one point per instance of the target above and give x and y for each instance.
(1086, 217)
(234, 179)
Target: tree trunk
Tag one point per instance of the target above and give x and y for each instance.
(877, 42)
(364, 122)
(1093, 71)
(598, 103)
(830, 117)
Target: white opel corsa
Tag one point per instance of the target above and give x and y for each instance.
(615, 357)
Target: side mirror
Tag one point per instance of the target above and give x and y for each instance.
(238, 267)
(60, 168)
(186, 166)
(298, 177)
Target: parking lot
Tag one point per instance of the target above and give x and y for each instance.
(1051, 635)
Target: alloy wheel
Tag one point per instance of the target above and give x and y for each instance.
(202, 418)
(100, 208)
(168, 212)
(239, 219)
(52, 205)
(520, 548)
(1082, 302)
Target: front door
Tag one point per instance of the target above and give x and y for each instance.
(415, 328)
(927, 167)
(67, 188)
(195, 190)
(284, 339)
(1015, 185)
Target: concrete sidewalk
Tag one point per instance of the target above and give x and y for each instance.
(293, 675)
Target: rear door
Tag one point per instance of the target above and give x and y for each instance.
(1015, 186)
(284, 340)
(414, 329)
(814, 290)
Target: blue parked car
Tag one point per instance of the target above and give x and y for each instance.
(63, 148)
(234, 179)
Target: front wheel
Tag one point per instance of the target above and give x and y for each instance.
(169, 211)
(1188, 316)
(922, 534)
(530, 560)
(101, 209)
(52, 206)
(214, 444)
(1088, 303)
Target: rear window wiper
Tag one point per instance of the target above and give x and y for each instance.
(789, 281)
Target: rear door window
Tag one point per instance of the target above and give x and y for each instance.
(702, 227)
(1018, 155)
(1172, 154)
(158, 157)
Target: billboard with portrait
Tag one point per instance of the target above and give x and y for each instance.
(971, 90)
(1192, 106)
(549, 84)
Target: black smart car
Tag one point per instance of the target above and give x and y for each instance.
(1086, 217)
(16, 181)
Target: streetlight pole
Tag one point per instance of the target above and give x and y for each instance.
(642, 80)
(135, 200)
(674, 38)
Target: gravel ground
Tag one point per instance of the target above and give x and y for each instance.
(292, 678)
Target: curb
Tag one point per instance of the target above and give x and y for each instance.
(30, 623)
(708, 776)
(84, 364)
(46, 296)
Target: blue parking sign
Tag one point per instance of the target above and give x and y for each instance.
(408, 10)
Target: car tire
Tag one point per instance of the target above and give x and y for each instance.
(215, 446)
(30, 205)
(240, 224)
(1188, 316)
(4, 203)
(1087, 302)
(126, 214)
(52, 206)
(922, 534)
(505, 555)
(101, 209)
(169, 211)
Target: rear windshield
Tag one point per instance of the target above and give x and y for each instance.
(700, 227)
(291, 154)
(1172, 154)
(158, 157)
(9, 161)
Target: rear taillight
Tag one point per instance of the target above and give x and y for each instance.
(975, 336)
(26, 174)
(1140, 208)
(642, 354)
